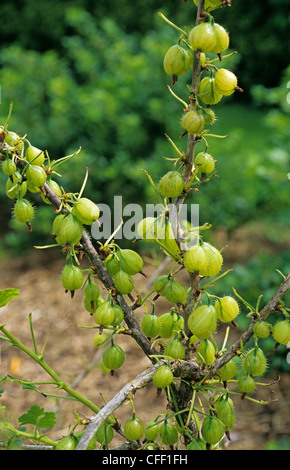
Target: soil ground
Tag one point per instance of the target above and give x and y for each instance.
(70, 350)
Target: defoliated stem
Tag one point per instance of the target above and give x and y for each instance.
(32, 335)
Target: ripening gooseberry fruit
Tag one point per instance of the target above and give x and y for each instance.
(227, 308)
(57, 223)
(112, 264)
(209, 116)
(146, 228)
(134, 429)
(261, 329)
(222, 39)
(193, 339)
(169, 323)
(67, 228)
(192, 121)
(150, 325)
(228, 370)
(86, 211)
(32, 189)
(206, 352)
(171, 184)
(255, 362)
(165, 234)
(212, 429)
(123, 282)
(152, 431)
(175, 292)
(34, 155)
(202, 37)
(92, 291)
(99, 340)
(281, 332)
(119, 315)
(226, 82)
(67, 443)
(55, 188)
(225, 412)
(246, 384)
(163, 377)
(14, 140)
(105, 433)
(15, 186)
(91, 305)
(174, 349)
(9, 166)
(130, 261)
(72, 277)
(215, 261)
(202, 321)
(208, 92)
(160, 283)
(195, 259)
(23, 210)
(104, 315)
(168, 433)
(113, 357)
(205, 162)
(177, 60)
(35, 175)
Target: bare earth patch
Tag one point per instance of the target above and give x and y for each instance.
(70, 349)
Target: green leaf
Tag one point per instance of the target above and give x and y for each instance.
(2, 390)
(14, 443)
(37, 416)
(8, 294)
(47, 421)
(28, 386)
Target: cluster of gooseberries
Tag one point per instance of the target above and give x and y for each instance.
(178, 337)
(210, 38)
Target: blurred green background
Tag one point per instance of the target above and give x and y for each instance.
(90, 75)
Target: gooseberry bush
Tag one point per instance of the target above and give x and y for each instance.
(200, 374)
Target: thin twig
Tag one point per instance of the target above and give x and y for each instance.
(131, 387)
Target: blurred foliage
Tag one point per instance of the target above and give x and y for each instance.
(90, 75)
(280, 444)
(259, 30)
(95, 80)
